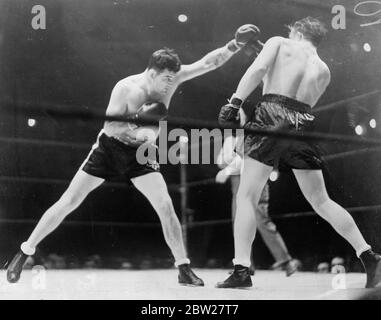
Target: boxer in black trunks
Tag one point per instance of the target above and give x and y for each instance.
(294, 79)
(115, 152)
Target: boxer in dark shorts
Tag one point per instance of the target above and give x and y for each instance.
(280, 112)
(294, 78)
(115, 153)
(112, 159)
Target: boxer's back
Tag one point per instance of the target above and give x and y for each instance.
(297, 72)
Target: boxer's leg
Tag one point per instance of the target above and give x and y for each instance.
(81, 185)
(312, 184)
(234, 181)
(154, 188)
(253, 179)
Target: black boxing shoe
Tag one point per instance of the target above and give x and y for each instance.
(188, 278)
(251, 270)
(239, 279)
(15, 267)
(291, 267)
(372, 265)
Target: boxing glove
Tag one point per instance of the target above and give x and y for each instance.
(229, 113)
(253, 48)
(244, 34)
(152, 109)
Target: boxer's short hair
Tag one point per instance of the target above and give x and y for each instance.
(165, 59)
(312, 29)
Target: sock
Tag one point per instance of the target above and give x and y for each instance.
(243, 263)
(240, 268)
(182, 261)
(27, 249)
(362, 250)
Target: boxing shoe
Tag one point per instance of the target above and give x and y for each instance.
(240, 278)
(251, 271)
(289, 266)
(15, 267)
(188, 278)
(372, 265)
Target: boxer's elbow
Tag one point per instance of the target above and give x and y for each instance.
(211, 64)
(214, 60)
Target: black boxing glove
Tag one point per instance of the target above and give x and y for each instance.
(152, 109)
(244, 34)
(253, 48)
(229, 113)
(140, 132)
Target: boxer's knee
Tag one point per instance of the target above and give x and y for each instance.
(317, 200)
(71, 200)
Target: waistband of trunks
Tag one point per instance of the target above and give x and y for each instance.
(287, 102)
(128, 144)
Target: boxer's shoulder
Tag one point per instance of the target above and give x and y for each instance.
(324, 67)
(277, 40)
(131, 87)
(129, 83)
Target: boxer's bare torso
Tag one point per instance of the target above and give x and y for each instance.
(297, 72)
(130, 94)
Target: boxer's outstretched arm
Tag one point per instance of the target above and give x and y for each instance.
(211, 61)
(245, 34)
(254, 75)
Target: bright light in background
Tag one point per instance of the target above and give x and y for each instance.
(274, 176)
(182, 18)
(359, 130)
(32, 122)
(367, 47)
(372, 123)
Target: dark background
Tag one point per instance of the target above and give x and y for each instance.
(91, 44)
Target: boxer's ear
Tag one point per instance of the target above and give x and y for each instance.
(152, 73)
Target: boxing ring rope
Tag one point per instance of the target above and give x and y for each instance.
(372, 145)
(46, 143)
(343, 102)
(172, 187)
(193, 224)
(178, 122)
